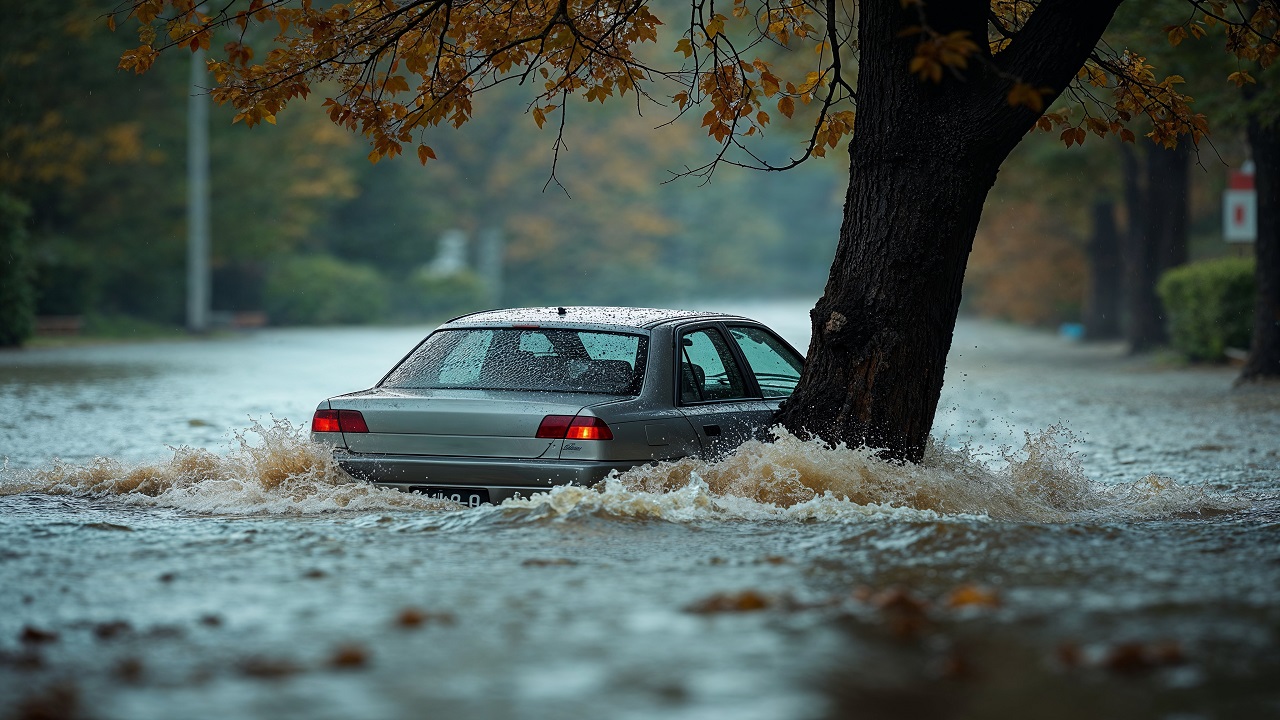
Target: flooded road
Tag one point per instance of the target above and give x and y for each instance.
(1090, 536)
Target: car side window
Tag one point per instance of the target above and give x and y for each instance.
(707, 368)
(776, 367)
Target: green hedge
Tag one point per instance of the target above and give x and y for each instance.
(321, 290)
(1209, 306)
(17, 274)
(436, 297)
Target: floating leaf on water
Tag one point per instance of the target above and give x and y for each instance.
(744, 601)
(349, 657)
(1131, 658)
(906, 615)
(413, 617)
(111, 629)
(973, 596)
(34, 636)
(269, 668)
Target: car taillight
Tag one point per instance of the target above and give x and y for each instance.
(325, 421)
(351, 421)
(554, 427)
(338, 421)
(568, 427)
(589, 428)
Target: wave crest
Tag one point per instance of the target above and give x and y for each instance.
(788, 479)
(794, 479)
(283, 473)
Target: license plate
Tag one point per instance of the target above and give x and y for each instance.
(471, 497)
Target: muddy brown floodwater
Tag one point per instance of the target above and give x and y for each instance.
(1089, 536)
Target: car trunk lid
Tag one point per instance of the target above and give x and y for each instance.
(470, 423)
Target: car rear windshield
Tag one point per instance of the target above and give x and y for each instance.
(553, 360)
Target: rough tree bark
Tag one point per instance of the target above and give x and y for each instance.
(1102, 306)
(923, 157)
(1264, 354)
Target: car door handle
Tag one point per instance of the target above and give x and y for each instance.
(711, 429)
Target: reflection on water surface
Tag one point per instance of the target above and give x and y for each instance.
(1125, 564)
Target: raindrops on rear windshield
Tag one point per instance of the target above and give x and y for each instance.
(542, 359)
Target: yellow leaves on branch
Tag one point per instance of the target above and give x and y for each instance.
(1240, 78)
(1135, 92)
(836, 126)
(400, 68)
(138, 59)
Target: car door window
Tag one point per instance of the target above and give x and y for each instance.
(776, 367)
(707, 368)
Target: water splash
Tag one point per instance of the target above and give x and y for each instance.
(792, 479)
(788, 480)
(282, 473)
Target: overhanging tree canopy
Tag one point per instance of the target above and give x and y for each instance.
(941, 93)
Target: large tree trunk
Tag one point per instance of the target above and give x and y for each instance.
(1156, 237)
(1102, 306)
(923, 156)
(1264, 356)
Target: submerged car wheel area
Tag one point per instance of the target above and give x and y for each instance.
(506, 403)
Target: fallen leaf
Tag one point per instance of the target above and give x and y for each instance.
(745, 601)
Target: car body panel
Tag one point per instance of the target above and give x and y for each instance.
(460, 438)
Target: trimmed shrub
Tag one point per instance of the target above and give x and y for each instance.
(17, 274)
(321, 290)
(1209, 306)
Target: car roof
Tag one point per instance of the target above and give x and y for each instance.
(579, 315)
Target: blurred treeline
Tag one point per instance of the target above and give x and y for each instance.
(1067, 227)
(307, 229)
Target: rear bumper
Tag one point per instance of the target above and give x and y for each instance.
(503, 477)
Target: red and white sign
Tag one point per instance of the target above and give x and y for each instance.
(1240, 207)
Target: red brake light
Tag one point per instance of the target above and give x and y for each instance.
(589, 428)
(325, 421)
(554, 427)
(338, 421)
(352, 421)
(568, 427)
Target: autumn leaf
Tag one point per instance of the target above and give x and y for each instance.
(425, 153)
(1024, 95)
(1240, 78)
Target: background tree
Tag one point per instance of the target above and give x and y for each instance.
(17, 292)
(1263, 122)
(944, 91)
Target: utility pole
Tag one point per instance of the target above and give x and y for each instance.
(198, 197)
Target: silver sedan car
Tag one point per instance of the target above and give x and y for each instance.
(506, 403)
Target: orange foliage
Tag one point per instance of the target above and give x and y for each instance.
(404, 67)
(1025, 266)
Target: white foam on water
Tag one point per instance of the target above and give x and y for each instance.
(284, 473)
(788, 480)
